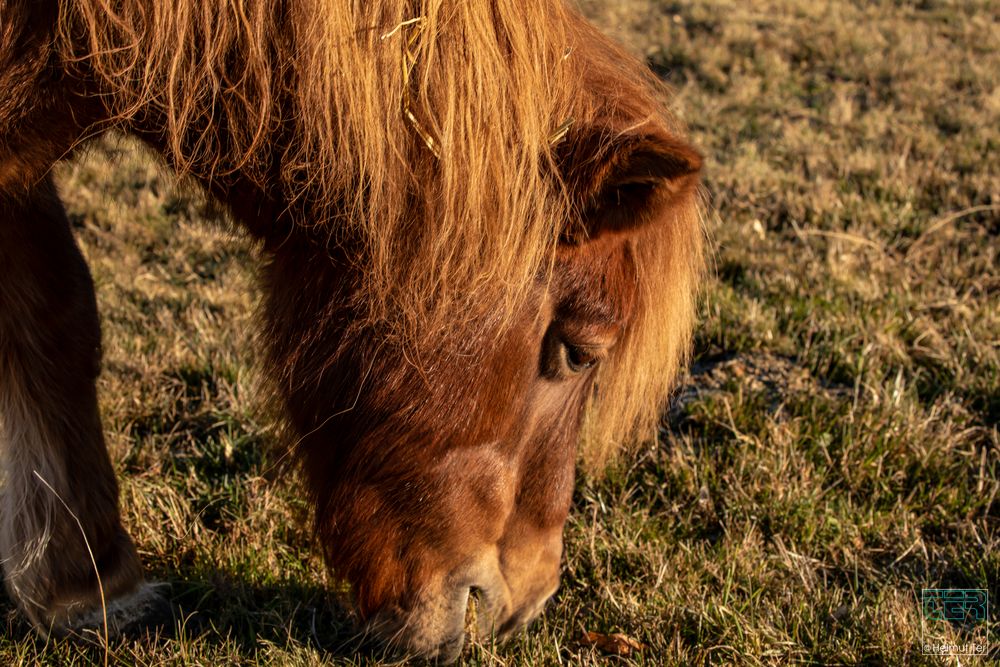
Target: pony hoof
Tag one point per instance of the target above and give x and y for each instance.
(144, 611)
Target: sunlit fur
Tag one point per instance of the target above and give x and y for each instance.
(489, 86)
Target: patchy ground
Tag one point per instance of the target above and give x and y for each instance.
(834, 451)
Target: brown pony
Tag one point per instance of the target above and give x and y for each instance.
(481, 243)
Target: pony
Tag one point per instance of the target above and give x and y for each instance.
(481, 246)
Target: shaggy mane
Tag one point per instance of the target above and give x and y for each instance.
(367, 117)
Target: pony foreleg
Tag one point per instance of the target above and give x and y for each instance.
(66, 558)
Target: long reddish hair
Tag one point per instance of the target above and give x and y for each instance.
(471, 113)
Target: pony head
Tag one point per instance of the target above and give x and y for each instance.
(443, 467)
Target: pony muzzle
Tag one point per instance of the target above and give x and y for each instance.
(476, 602)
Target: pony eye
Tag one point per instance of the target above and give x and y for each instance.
(562, 359)
(579, 359)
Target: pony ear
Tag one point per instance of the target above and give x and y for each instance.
(619, 182)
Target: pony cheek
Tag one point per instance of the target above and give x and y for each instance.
(444, 515)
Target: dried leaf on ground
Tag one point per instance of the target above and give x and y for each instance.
(613, 644)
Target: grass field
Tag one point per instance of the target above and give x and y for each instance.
(834, 450)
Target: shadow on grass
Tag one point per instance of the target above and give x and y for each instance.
(219, 610)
